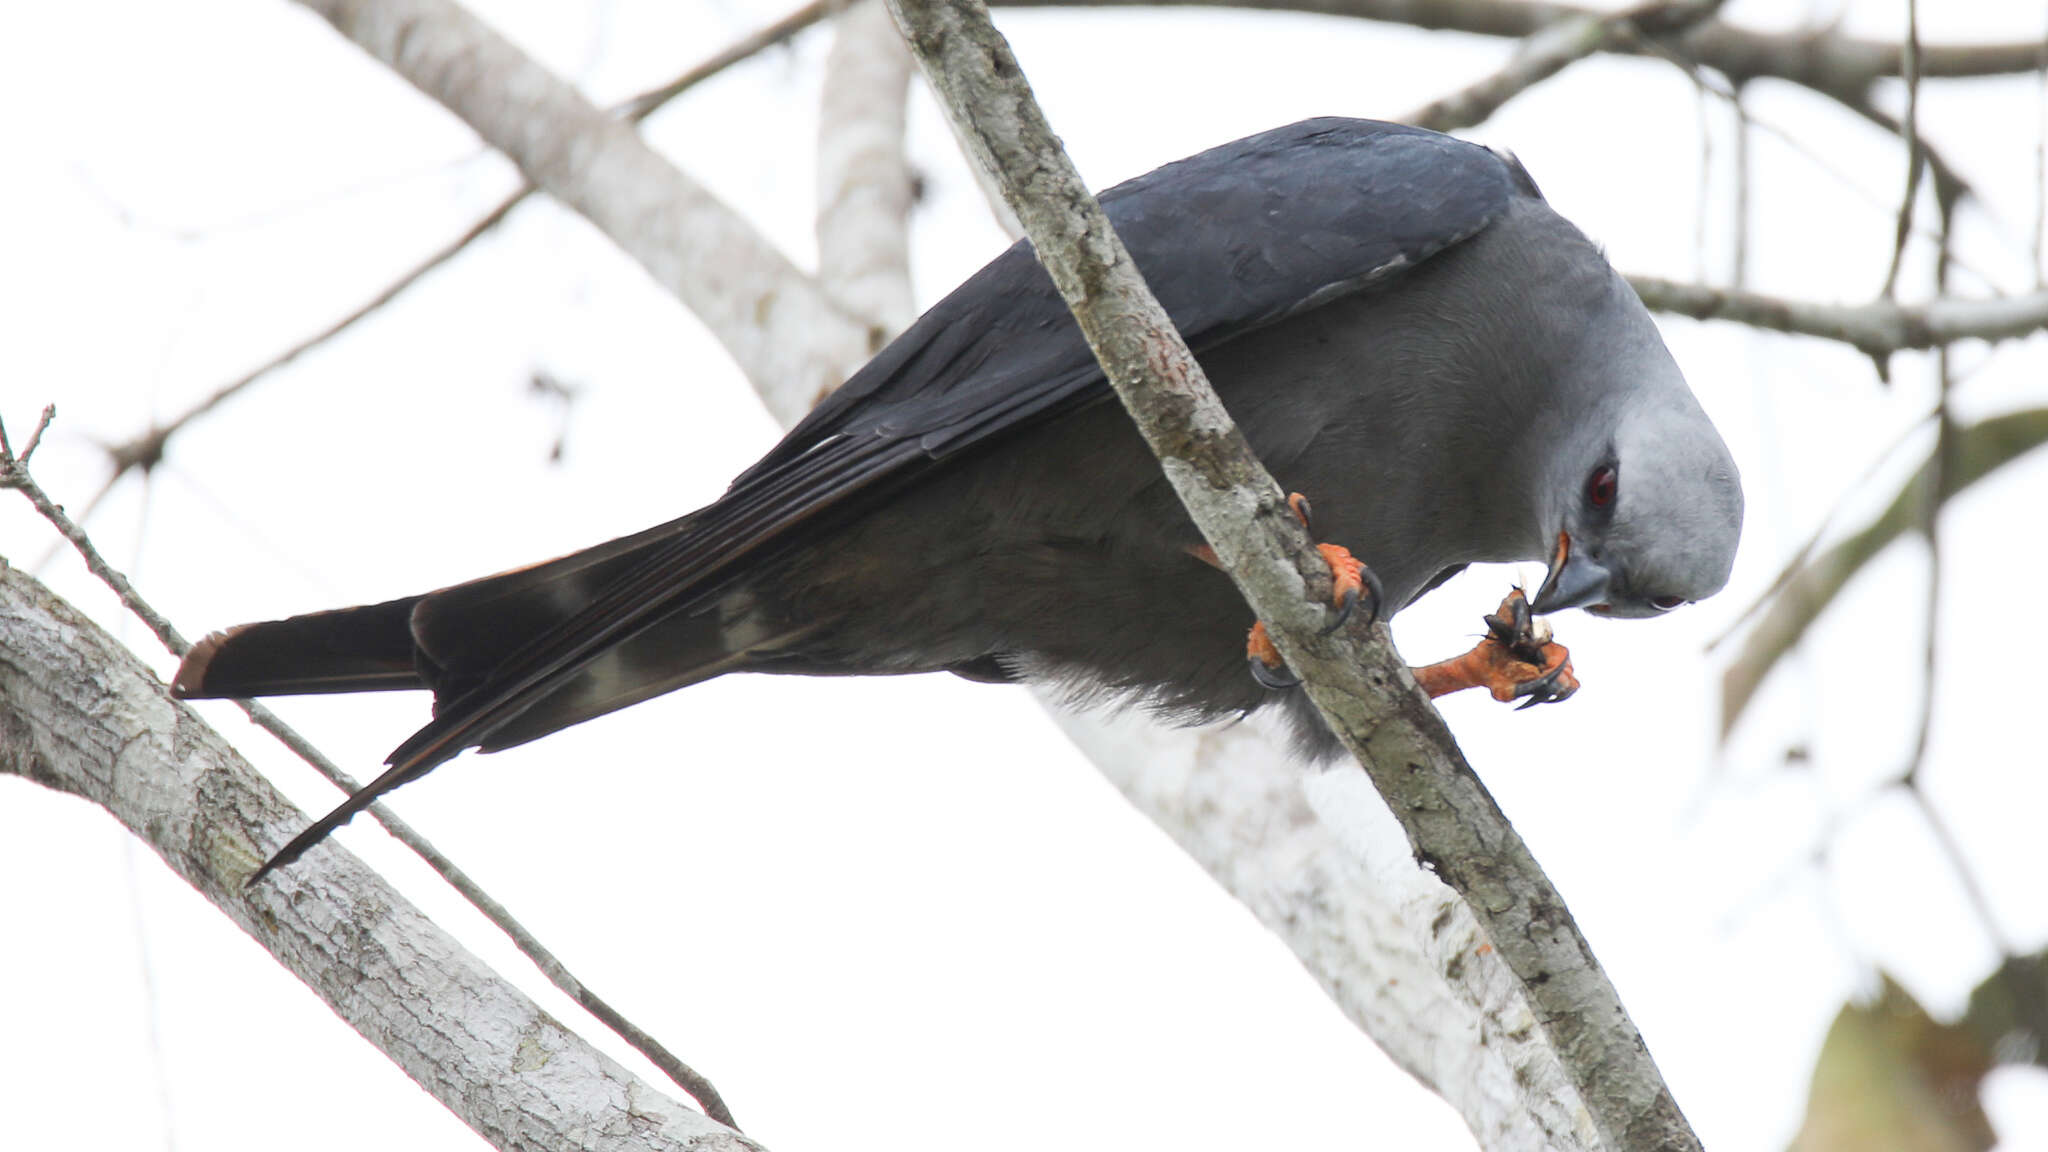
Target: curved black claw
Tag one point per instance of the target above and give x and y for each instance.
(1303, 511)
(1544, 690)
(1272, 679)
(1371, 593)
(1514, 628)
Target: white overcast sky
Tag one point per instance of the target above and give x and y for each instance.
(904, 913)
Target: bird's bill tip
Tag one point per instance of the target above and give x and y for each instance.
(1574, 581)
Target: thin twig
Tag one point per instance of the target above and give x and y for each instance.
(1878, 328)
(146, 450)
(1857, 101)
(1738, 272)
(1797, 564)
(1554, 48)
(1966, 876)
(1941, 468)
(639, 107)
(14, 474)
(2041, 164)
(1538, 58)
(1910, 131)
(1941, 464)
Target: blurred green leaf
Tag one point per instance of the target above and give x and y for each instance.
(1891, 1078)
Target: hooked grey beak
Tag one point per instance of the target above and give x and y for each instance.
(1574, 581)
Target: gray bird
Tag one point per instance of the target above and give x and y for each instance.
(1402, 327)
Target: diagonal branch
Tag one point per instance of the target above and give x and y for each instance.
(1803, 591)
(14, 473)
(772, 317)
(145, 450)
(1357, 680)
(80, 714)
(1553, 49)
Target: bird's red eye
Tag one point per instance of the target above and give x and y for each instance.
(1666, 603)
(1600, 487)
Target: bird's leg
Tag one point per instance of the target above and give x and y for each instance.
(1353, 582)
(1517, 660)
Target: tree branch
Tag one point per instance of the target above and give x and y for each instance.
(1878, 328)
(14, 473)
(1824, 60)
(864, 194)
(1551, 50)
(80, 714)
(1325, 867)
(1357, 680)
(145, 450)
(1801, 593)
(774, 319)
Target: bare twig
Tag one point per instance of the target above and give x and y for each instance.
(145, 450)
(772, 317)
(639, 107)
(1360, 685)
(14, 473)
(1552, 49)
(1738, 271)
(1909, 131)
(1966, 877)
(1791, 568)
(1978, 450)
(1826, 61)
(1877, 328)
(2040, 222)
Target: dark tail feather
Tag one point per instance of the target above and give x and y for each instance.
(458, 640)
(320, 829)
(363, 649)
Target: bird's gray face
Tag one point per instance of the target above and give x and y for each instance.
(1649, 518)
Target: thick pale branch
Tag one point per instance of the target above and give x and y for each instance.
(1358, 682)
(864, 185)
(78, 713)
(1324, 866)
(774, 319)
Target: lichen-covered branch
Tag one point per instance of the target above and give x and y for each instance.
(80, 714)
(1357, 680)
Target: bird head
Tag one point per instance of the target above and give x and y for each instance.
(1645, 503)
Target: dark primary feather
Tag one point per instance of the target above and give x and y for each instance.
(968, 471)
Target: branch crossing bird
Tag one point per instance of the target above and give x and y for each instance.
(1404, 330)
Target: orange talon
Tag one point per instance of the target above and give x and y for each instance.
(1352, 584)
(1516, 660)
(1259, 646)
(1347, 574)
(1266, 665)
